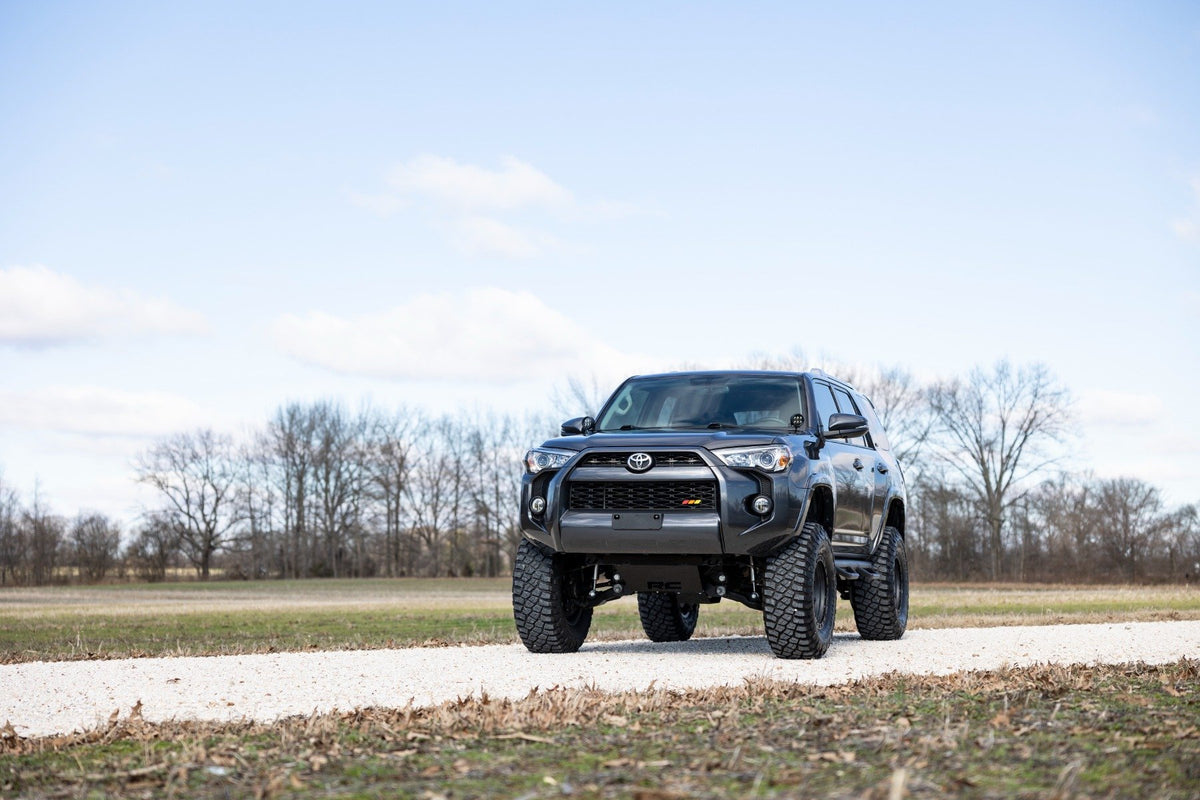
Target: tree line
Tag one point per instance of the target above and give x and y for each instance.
(323, 491)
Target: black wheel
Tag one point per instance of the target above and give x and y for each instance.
(549, 618)
(665, 619)
(881, 606)
(800, 595)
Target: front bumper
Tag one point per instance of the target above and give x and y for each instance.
(727, 526)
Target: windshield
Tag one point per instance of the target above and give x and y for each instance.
(675, 402)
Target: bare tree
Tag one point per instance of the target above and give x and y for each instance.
(904, 411)
(288, 444)
(1131, 524)
(254, 546)
(495, 446)
(389, 463)
(995, 431)
(12, 536)
(44, 534)
(96, 541)
(154, 547)
(581, 395)
(1183, 545)
(197, 479)
(793, 361)
(338, 482)
(433, 489)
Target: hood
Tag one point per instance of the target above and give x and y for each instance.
(711, 440)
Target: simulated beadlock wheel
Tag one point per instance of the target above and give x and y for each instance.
(665, 619)
(800, 595)
(548, 616)
(881, 605)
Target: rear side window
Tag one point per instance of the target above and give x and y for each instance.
(877, 434)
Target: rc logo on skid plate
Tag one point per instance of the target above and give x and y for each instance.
(639, 462)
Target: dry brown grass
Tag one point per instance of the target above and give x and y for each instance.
(1047, 731)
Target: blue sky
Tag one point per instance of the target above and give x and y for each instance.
(207, 209)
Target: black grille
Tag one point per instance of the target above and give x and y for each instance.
(642, 495)
(660, 459)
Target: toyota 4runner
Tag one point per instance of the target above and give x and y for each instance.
(774, 489)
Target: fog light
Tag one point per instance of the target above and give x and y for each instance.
(761, 505)
(537, 505)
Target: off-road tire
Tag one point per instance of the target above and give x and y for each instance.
(800, 595)
(665, 619)
(549, 619)
(881, 605)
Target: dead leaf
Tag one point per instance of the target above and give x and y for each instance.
(526, 737)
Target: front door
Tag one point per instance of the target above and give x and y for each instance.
(855, 491)
(853, 474)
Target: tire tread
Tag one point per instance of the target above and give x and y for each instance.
(665, 619)
(874, 613)
(538, 610)
(788, 608)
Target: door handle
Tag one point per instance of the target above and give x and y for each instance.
(881, 467)
(858, 464)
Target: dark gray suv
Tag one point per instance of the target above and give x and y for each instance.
(774, 489)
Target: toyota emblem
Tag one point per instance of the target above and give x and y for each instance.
(639, 462)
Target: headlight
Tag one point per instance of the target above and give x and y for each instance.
(772, 458)
(540, 458)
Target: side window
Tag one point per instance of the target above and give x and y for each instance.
(825, 403)
(846, 406)
(878, 436)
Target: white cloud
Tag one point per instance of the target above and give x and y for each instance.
(515, 185)
(1189, 227)
(506, 212)
(98, 411)
(475, 235)
(42, 307)
(483, 335)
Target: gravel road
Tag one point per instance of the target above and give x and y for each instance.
(47, 698)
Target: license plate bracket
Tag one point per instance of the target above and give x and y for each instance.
(637, 521)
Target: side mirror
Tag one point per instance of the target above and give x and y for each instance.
(578, 425)
(846, 426)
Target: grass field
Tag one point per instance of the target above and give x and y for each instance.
(60, 623)
(1041, 732)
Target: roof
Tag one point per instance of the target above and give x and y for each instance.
(815, 373)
